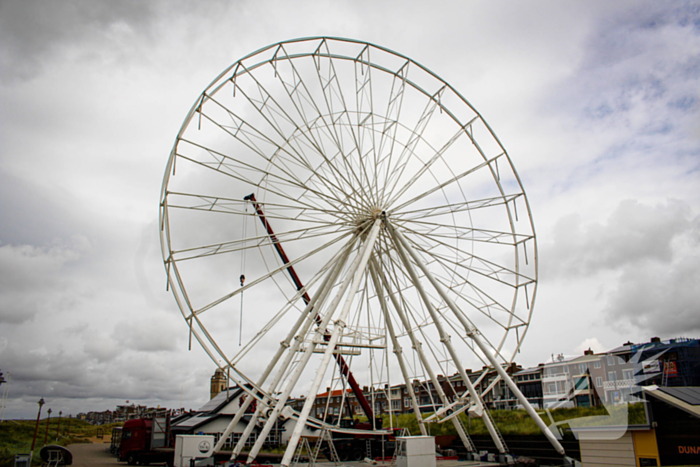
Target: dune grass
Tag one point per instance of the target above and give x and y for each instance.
(518, 422)
(16, 436)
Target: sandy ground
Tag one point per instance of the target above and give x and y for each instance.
(96, 455)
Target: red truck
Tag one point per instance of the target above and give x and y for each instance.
(142, 444)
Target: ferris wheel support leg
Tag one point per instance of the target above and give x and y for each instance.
(466, 441)
(307, 318)
(302, 364)
(304, 316)
(445, 339)
(474, 334)
(331, 343)
(397, 347)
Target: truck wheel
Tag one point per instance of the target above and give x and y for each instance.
(131, 459)
(358, 455)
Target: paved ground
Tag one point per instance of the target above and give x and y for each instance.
(94, 455)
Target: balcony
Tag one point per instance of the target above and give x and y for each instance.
(620, 384)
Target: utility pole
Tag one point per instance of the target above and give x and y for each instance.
(36, 427)
(3, 398)
(58, 428)
(46, 434)
(70, 416)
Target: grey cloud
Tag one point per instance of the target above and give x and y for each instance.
(31, 278)
(31, 30)
(634, 232)
(661, 298)
(649, 256)
(150, 333)
(633, 69)
(32, 214)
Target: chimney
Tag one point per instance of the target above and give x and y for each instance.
(656, 340)
(588, 352)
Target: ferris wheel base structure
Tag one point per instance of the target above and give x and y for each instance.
(403, 245)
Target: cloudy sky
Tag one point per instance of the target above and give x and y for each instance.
(597, 104)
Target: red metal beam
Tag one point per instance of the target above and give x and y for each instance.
(342, 365)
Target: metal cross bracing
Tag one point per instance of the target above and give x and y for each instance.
(394, 201)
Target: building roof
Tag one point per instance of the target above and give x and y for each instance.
(686, 398)
(337, 392)
(195, 421)
(220, 400)
(527, 371)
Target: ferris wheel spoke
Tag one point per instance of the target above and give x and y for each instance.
(487, 302)
(453, 232)
(490, 270)
(391, 122)
(270, 274)
(416, 136)
(235, 172)
(299, 94)
(456, 207)
(337, 111)
(427, 166)
(302, 99)
(252, 138)
(330, 265)
(247, 136)
(250, 243)
(364, 103)
(219, 204)
(448, 182)
(267, 106)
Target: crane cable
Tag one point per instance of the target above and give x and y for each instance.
(242, 278)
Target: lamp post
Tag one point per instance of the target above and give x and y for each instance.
(58, 428)
(36, 427)
(46, 434)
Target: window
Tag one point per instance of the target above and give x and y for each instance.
(582, 383)
(396, 405)
(611, 360)
(407, 402)
(627, 374)
(598, 381)
(582, 367)
(596, 364)
(611, 376)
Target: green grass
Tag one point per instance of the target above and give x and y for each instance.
(16, 436)
(518, 422)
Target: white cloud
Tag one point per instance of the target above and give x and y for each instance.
(590, 343)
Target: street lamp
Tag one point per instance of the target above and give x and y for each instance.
(58, 428)
(36, 428)
(46, 434)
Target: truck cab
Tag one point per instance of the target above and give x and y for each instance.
(136, 439)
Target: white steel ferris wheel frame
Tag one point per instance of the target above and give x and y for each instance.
(392, 194)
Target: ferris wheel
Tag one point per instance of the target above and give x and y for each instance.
(331, 200)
